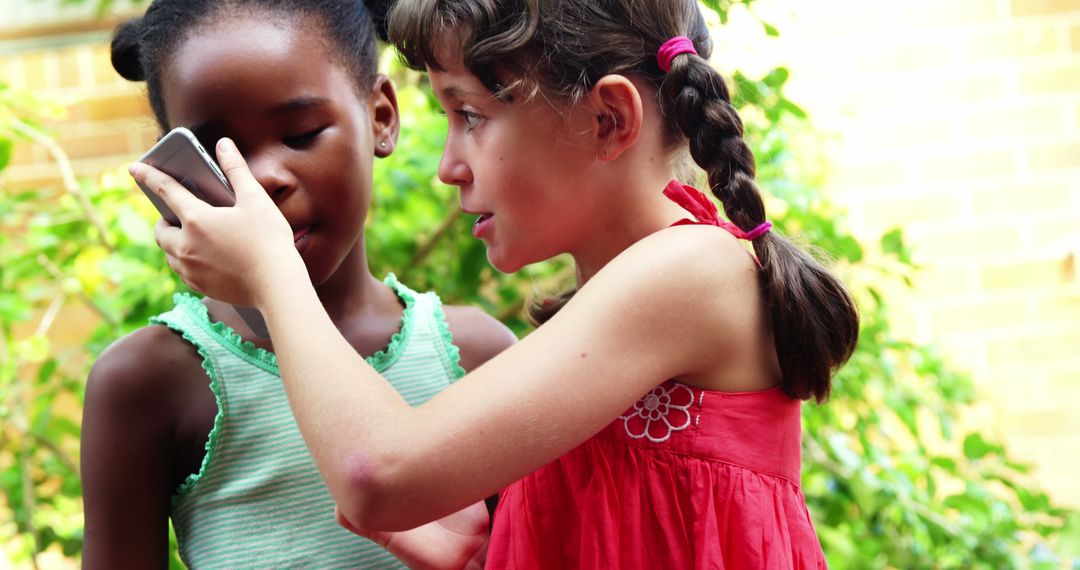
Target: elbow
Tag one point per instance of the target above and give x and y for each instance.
(367, 492)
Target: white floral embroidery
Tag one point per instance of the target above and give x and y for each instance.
(659, 413)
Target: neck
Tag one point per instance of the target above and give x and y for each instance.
(351, 290)
(635, 209)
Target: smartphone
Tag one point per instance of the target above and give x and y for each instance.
(180, 155)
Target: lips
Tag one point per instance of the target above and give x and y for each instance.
(482, 225)
(300, 236)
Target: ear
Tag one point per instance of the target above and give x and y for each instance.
(383, 110)
(619, 115)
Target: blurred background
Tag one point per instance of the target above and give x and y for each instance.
(932, 148)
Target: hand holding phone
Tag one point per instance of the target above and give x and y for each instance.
(180, 155)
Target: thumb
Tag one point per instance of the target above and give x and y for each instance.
(236, 170)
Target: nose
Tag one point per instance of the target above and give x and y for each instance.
(453, 169)
(273, 174)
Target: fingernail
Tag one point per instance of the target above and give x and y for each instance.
(133, 169)
(225, 144)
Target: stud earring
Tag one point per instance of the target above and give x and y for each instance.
(382, 144)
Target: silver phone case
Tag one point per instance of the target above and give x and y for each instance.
(180, 155)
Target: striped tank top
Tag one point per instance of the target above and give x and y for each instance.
(258, 500)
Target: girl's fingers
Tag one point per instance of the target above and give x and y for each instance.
(168, 238)
(181, 201)
(236, 170)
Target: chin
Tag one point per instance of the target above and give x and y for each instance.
(502, 264)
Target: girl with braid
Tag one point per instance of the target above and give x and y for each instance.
(653, 420)
(187, 420)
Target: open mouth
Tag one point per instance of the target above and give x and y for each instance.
(482, 223)
(300, 236)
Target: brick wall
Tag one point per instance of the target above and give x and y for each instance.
(105, 120)
(959, 121)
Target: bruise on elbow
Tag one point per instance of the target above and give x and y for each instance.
(361, 488)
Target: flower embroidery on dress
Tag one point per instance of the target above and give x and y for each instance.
(662, 411)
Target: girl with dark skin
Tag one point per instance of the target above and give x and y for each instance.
(294, 84)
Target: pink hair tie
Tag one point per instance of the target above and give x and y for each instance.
(677, 45)
(751, 235)
(759, 231)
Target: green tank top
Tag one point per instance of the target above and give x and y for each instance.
(258, 500)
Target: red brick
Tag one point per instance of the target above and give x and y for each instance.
(1059, 78)
(1013, 121)
(70, 74)
(102, 71)
(967, 166)
(34, 69)
(1022, 197)
(907, 210)
(95, 145)
(1011, 44)
(1055, 156)
(124, 106)
(1043, 349)
(1044, 7)
(1028, 275)
(980, 316)
(984, 243)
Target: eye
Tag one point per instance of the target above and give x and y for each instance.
(302, 140)
(471, 119)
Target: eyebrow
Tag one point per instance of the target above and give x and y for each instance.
(298, 104)
(456, 92)
(290, 106)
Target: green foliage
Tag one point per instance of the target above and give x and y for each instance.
(87, 246)
(892, 477)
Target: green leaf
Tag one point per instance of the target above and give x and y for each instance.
(975, 447)
(1069, 538)
(6, 148)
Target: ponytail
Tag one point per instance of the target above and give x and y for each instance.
(814, 322)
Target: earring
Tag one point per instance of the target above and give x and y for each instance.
(382, 144)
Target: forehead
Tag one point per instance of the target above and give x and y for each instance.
(257, 38)
(250, 61)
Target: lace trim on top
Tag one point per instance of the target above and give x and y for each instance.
(215, 387)
(453, 352)
(268, 361)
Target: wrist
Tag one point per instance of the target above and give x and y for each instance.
(281, 274)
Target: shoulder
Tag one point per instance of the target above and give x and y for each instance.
(686, 292)
(478, 335)
(134, 373)
(684, 263)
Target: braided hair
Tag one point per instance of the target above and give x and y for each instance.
(142, 47)
(563, 47)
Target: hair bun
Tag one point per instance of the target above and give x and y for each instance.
(125, 50)
(380, 15)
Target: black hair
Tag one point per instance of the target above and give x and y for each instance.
(561, 48)
(141, 47)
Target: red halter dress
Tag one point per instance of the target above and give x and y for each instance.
(685, 479)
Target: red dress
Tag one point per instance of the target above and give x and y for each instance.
(686, 478)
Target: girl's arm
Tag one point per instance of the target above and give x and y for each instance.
(637, 323)
(455, 542)
(128, 454)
